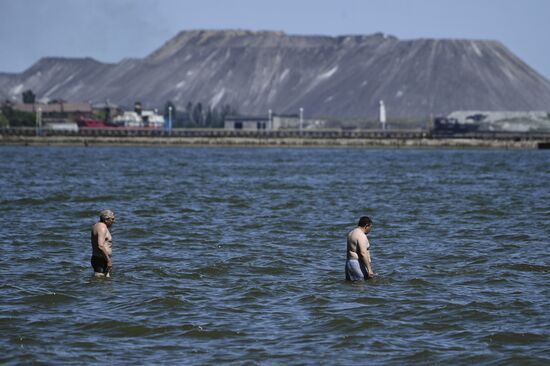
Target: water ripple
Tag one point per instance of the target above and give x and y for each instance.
(236, 256)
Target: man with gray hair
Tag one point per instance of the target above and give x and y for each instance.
(102, 243)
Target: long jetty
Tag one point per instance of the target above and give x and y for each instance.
(305, 138)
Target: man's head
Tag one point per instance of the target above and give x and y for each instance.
(365, 222)
(107, 217)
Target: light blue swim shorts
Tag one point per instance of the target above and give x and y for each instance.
(355, 271)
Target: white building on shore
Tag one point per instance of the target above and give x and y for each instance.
(147, 118)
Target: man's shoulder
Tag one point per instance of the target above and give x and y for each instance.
(358, 234)
(356, 231)
(353, 233)
(99, 226)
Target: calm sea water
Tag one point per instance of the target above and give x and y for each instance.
(236, 255)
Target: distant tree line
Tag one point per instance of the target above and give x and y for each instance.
(3, 120)
(12, 117)
(15, 118)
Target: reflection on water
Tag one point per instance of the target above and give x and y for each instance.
(237, 255)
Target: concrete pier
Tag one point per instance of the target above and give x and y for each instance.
(314, 138)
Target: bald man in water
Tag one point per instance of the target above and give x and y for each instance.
(102, 243)
(358, 262)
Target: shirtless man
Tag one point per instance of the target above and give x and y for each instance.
(358, 263)
(102, 242)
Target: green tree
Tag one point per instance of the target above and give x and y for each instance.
(107, 113)
(228, 110)
(18, 118)
(198, 116)
(208, 119)
(189, 111)
(3, 120)
(101, 115)
(29, 97)
(216, 118)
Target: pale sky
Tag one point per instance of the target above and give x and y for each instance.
(110, 30)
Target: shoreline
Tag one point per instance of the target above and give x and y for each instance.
(271, 142)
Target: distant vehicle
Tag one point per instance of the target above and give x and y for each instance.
(453, 125)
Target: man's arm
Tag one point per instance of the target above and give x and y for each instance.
(365, 255)
(369, 265)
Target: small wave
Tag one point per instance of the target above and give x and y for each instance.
(205, 333)
(86, 214)
(269, 270)
(525, 267)
(483, 305)
(287, 205)
(417, 357)
(471, 311)
(26, 201)
(148, 212)
(526, 307)
(508, 247)
(440, 326)
(217, 269)
(168, 302)
(478, 260)
(238, 202)
(371, 323)
(185, 210)
(515, 338)
(105, 198)
(372, 300)
(22, 341)
(313, 300)
(256, 293)
(117, 328)
(477, 315)
(512, 237)
(48, 299)
(344, 324)
(418, 282)
(137, 232)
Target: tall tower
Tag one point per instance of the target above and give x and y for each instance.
(382, 114)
